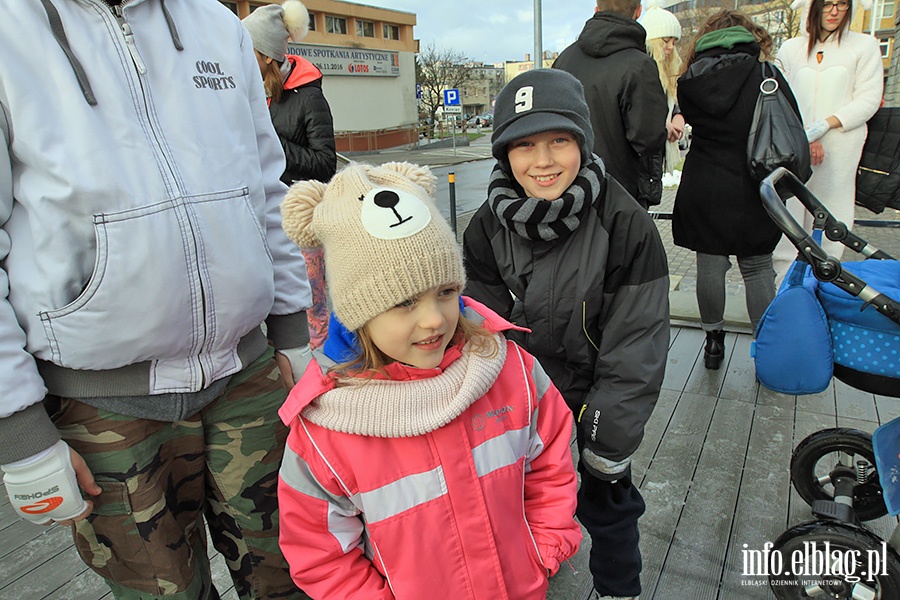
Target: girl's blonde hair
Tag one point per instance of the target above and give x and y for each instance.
(372, 360)
(669, 66)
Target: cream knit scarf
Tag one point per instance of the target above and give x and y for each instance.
(392, 409)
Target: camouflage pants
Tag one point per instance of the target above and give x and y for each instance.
(145, 536)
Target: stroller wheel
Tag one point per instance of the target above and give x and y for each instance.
(820, 457)
(833, 561)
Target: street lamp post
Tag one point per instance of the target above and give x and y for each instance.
(538, 50)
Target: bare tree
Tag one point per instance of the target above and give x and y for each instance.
(780, 21)
(438, 69)
(776, 16)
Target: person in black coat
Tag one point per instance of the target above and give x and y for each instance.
(718, 212)
(302, 120)
(626, 99)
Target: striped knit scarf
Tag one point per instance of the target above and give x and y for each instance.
(547, 220)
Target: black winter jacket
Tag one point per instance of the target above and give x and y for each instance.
(718, 208)
(302, 120)
(597, 304)
(621, 85)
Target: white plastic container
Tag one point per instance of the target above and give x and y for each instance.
(44, 487)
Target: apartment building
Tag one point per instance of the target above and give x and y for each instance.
(515, 67)
(479, 92)
(367, 56)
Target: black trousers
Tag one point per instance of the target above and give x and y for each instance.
(610, 512)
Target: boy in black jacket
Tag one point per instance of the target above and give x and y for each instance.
(562, 249)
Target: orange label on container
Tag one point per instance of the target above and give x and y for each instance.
(44, 506)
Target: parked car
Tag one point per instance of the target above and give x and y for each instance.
(486, 120)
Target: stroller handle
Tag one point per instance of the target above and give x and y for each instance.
(772, 190)
(825, 268)
(778, 212)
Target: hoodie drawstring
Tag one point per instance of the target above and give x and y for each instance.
(59, 32)
(172, 30)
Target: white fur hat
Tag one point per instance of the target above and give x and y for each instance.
(384, 239)
(272, 25)
(804, 5)
(660, 23)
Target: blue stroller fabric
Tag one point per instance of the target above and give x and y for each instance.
(866, 344)
(886, 447)
(792, 351)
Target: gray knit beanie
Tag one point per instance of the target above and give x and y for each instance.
(537, 101)
(271, 27)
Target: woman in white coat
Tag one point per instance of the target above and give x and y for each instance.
(838, 79)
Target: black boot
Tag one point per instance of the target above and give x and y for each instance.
(715, 349)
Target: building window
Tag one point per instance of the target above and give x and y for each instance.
(887, 9)
(885, 45)
(254, 6)
(391, 32)
(365, 28)
(232, 6)
(312, 21)
(335, 25)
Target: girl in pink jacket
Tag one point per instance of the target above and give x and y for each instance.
(428, 456)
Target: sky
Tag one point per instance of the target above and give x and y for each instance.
(493, 31)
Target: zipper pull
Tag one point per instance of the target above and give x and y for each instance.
(132, 48)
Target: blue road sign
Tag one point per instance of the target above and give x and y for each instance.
(451, 97)
(418, 91)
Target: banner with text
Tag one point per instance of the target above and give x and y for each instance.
(356, 62)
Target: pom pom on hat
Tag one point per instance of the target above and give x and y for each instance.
(660, 23)
(384, 239)
(272, 25)
(297, 212)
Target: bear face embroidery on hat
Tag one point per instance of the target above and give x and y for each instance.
(385, 240)
(393, 214)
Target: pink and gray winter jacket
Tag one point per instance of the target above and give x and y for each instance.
(479, 508)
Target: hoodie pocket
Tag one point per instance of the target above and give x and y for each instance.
(170, 280)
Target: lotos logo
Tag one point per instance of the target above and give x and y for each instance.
(43, 506)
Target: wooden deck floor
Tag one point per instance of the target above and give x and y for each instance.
(713, 469)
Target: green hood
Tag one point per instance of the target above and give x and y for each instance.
(725, 38)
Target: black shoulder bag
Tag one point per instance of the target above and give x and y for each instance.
(777, 138)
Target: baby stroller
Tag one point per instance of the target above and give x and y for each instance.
(847, 476)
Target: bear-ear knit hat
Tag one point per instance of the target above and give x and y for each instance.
(660, 23)
(272, 25)
(804, 6)
(384, 239)
(537, 101)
